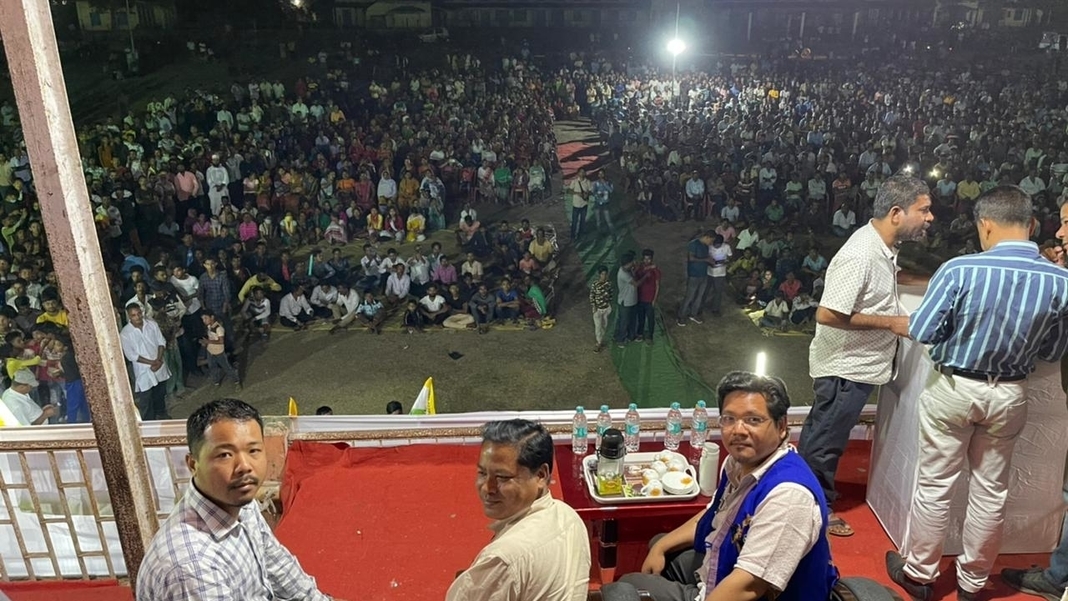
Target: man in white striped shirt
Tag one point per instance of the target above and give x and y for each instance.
(1048, 583)
(215, 546)
(986, 318)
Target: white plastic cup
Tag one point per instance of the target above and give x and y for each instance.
(708, 469)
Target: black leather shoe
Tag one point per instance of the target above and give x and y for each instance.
(963, 595)
(895, 569)
(1033, 582)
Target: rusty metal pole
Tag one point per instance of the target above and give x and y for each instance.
(41, 93)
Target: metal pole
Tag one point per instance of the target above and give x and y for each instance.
(41, 94)
(749, 28)
(675, 58)
(129, 29)
(801, 36)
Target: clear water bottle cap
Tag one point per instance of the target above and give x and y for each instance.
(604, 407)
(579, 409)
(674, 405)
(633, 406)
(701, 404)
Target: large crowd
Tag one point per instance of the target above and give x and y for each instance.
(236, 204)
(239, 203)
(227, 211)
(782, 158)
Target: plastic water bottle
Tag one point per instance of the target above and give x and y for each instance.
(604, 422)
(698, 427)
(580, 440)
(673, 431)
(632, 429)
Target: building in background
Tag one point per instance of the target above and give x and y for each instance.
(712, 23)
(605, 14)
(94, 17)
(986, 14)
(385, 14)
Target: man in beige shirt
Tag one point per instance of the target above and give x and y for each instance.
(539, 550)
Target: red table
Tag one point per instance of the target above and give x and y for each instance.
(604, 517)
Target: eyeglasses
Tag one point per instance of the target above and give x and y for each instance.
(751, 422)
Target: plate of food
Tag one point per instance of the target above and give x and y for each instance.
(678, 483)
(665, 476)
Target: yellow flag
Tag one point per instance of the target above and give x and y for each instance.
(424, 403)
(293, 407)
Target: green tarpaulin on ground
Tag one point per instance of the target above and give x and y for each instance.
(653, 374)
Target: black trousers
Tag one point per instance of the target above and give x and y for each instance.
(646, 320)
(151, 402)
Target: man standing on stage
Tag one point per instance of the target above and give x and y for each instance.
(987, 318)
(858, 323)
(1048, 583)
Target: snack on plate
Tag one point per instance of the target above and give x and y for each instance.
(660, 467)
(678, 483)
(650, 475)
(654, 489)
(676, 465)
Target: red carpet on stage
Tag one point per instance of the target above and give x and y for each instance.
(94, 590)
(398, 523)
(393, 523)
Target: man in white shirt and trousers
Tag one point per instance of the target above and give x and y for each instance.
(143, 344)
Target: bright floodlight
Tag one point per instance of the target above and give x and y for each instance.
(676, 46)
(761, 364)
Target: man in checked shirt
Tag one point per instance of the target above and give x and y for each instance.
(215, 545)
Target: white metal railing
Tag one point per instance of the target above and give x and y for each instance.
(56, 519)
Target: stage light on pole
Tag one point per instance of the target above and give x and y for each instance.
(761, 364)
(676, 47)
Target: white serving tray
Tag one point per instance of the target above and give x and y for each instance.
(590, 461)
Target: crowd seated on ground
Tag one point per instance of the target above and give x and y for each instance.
(246, 202)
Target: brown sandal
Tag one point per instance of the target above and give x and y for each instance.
(836, 526)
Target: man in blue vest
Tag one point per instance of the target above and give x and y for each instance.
(764, 535)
